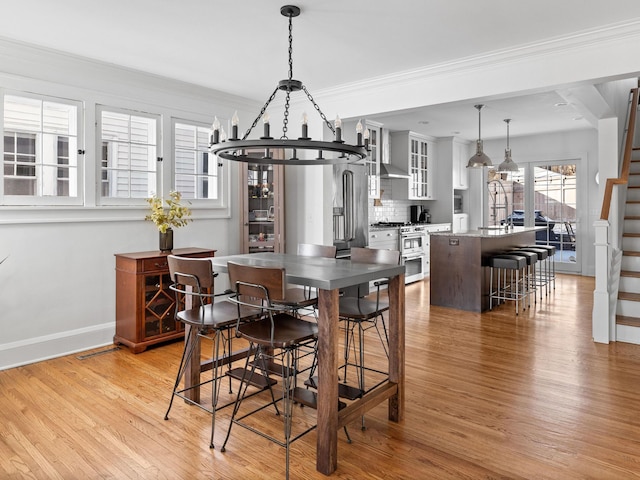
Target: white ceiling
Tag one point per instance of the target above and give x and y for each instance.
(240, 47)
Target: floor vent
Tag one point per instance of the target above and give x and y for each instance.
(101, 352)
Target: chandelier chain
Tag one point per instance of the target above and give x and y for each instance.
(264, 109)
(290, 47)
(317, 107)
(285, 121)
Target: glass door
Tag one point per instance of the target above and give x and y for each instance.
(555, 206)
(542, 194)
(261, 208)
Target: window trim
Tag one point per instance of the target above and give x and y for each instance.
(36, 200)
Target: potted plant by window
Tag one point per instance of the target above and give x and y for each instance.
(167, 214)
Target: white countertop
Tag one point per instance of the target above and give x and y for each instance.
(491, 232)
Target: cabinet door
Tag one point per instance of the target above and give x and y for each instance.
(158, 306)
(373, 160)
(262, 208)
(460, 222)
(459, 163)
(384, 239)
(419, 166)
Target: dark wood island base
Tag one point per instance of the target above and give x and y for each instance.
(459, 278)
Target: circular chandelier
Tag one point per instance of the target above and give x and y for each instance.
(283, 150)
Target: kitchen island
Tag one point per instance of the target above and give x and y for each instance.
(459, 276)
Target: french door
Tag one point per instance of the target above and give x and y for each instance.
(546, 195)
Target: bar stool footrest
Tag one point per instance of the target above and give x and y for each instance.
(256, 380)
(344, 390)
(309, 398)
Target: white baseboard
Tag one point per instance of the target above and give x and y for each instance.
(37, 349)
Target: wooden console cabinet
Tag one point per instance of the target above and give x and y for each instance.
(144, 302)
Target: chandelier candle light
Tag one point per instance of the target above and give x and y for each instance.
(259, 150)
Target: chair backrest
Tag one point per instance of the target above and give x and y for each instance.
(374, 255)
(264, 283)
(312, 250)
(191, 272)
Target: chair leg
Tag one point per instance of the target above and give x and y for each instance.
(286, 398)
(187, 353)
(215, 387)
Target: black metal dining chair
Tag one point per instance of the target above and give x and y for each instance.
(274, 338)
(361, 313)
(213, 318)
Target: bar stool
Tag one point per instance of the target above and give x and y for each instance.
(542, 274)
(530, 280)
(551, 259)
(277, 335)
(506, 288)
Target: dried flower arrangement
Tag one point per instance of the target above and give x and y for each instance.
(169, 213)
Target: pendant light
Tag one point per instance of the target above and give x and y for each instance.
(283, 150)
(508, 165)
(479, 159)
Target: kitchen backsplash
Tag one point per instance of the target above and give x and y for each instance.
(391, 210)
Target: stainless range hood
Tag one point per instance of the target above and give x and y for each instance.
(391, 171)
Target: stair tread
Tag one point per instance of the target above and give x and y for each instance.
(634, 297)
(631, 234)
(632, 217)
(629, 273)
(630, 253)
(633, 201)
(625, 320)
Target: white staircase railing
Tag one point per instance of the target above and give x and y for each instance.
(608, 244)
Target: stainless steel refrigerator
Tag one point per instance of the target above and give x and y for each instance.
(350, 208)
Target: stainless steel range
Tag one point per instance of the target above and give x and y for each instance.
(413, 249)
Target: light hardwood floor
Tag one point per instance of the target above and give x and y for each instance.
(488, 396)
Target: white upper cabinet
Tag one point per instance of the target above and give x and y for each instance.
(373, 159)
(460, 158)
(414, 154)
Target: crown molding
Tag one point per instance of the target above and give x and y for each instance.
(20, 59)
(596, 45)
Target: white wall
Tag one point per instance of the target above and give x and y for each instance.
(58, 283)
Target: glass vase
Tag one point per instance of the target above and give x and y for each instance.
(166, 241)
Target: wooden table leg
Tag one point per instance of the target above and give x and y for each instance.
(396, 346)
(327, 442)
(192, 372)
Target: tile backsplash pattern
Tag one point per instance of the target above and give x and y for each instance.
(391, 210)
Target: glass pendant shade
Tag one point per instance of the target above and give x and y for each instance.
(479, 159)
(508, 165)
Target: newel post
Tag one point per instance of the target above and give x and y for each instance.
(601, 315)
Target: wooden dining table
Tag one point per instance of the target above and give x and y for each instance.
(329, 275)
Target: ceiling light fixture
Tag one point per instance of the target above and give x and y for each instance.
(508, 165)
(269, 150)
(479, 159)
